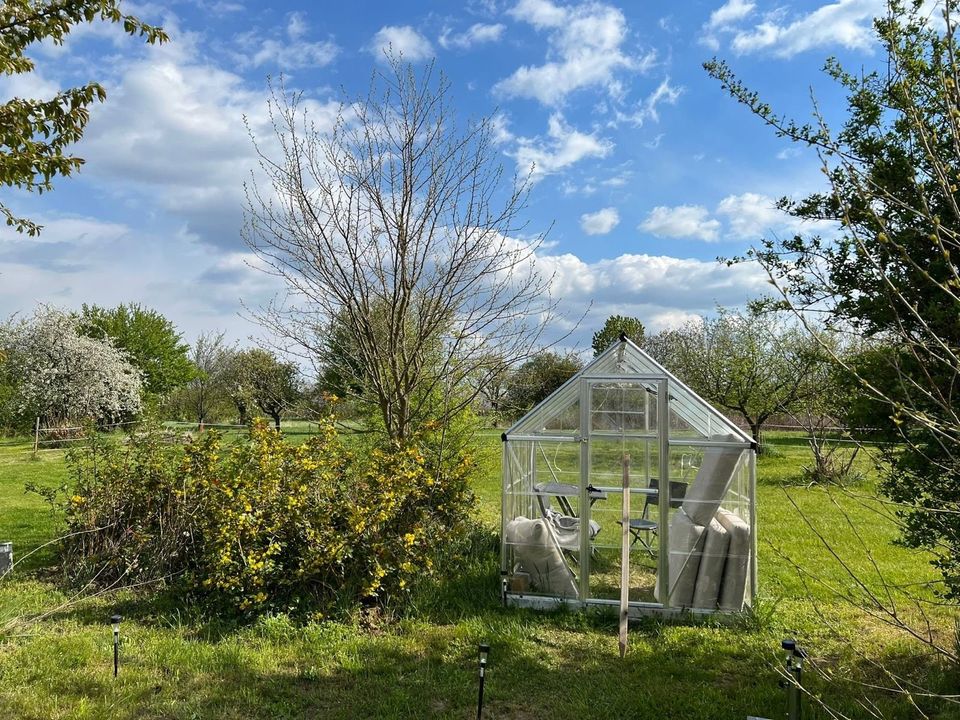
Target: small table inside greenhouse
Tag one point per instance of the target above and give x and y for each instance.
(563, 491)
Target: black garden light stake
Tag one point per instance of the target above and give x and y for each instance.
(115, 621)
(484, 653)
(795, 658)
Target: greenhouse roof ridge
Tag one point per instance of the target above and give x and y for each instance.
(625, 358)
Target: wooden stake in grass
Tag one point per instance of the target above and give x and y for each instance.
(36, 435)
(625, 557)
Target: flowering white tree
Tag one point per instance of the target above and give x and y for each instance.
(61, 375)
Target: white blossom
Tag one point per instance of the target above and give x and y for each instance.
(62, 375)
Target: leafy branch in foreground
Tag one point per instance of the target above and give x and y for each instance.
(35, 134)
(887, 272)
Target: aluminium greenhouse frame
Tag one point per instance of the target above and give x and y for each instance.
(570, 493)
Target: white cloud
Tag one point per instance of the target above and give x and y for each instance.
(68, 230)
(752, 215)
(722, 19)
(402, 40)
(500, 129)
(563, 146)
(666, 94)
(682, 221)
(287, 49)
(847, 23)
(170, 142)
(600, 222)
(730, 12)
(585, 50)
(747, 216)
(476, 34)
(662, 291)
(539, 13)
(647, 109)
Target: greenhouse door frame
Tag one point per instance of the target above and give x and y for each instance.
(663, 497)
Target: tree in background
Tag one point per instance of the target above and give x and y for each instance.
(208, 391)
(258, 376)
(537, 378)
(62, 376)
(613, 328)
(34, 134)
(755, 363)
(492, 382)
(150, 341)
(400, 225)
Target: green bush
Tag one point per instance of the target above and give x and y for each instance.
(130, 516)
(259, 525)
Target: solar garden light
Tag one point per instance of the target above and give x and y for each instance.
(484, 653)
(795, 658)
(6, 557)
(115, 621)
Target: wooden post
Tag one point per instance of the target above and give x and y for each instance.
(36, 435)
(625, 557)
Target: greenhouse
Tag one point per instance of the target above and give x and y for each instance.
(626, 489)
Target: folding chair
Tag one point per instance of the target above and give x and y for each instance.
(643, 524)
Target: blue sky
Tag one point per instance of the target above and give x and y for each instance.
(645, 170)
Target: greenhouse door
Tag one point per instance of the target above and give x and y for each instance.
(620, 474)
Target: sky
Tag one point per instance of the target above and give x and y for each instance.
(645, 171)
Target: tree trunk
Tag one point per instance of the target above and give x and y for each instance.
(276, 420)
(755, 426)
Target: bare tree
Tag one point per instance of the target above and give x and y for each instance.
(206, 391)
(401, 226)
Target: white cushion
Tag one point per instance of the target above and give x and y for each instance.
(686, 543)
(735, 572)
(713, 479)
(710, 572)
(538, 554)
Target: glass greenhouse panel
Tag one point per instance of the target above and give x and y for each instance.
(565, 421)
(709, 533)
(541, 513)
(622, 408)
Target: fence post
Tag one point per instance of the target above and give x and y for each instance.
(36, 436)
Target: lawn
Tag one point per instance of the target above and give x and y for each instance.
(176, 664)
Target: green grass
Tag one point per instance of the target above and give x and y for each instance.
(177, 664)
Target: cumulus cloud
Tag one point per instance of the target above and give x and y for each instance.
(402, 40)
(730, 12)
(585, 50)
(288, 49)
(662, 291)
(845, 23)
(476, 34)
(752, 215)
(682, 221)
(722, 20)
(562, 147)
(600, 222)
(539, 13)
(170, 141)
(747, 216)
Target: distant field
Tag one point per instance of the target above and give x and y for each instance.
(177, 664)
